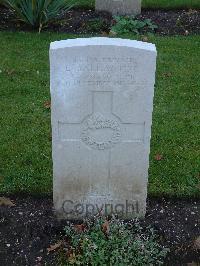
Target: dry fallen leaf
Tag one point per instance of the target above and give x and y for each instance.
(112, 33)
(79, 227)
(72, 258)
(54, 247)
(197, 243)
(144, 39)
(47, 104)
(191, 11)
(105, 34)
(10, 72)
(193, 264)
(105, 227)
(6, 202)
(167, 74)
(158, 157)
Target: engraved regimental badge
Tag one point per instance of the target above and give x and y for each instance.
(100, 132)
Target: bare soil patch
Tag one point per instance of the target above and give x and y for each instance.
(80, 21)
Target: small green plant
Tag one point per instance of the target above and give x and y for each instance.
(37, 12)
(113, 242)
(129, 24)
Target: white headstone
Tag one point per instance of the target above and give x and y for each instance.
(119, 7)
(102, 101)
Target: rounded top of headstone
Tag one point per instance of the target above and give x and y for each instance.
(102, 41)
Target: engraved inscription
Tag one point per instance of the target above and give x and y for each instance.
(96, 71)
(109, 130)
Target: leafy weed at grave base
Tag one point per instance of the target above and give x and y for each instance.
(113, 242)
(129, 24)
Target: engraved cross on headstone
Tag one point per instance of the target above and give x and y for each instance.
(101, 131)
(111, 129)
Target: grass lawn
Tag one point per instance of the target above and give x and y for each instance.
(166, 4)
(25, 143)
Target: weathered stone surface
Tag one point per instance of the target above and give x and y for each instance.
(119, 7)
(102, 100)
